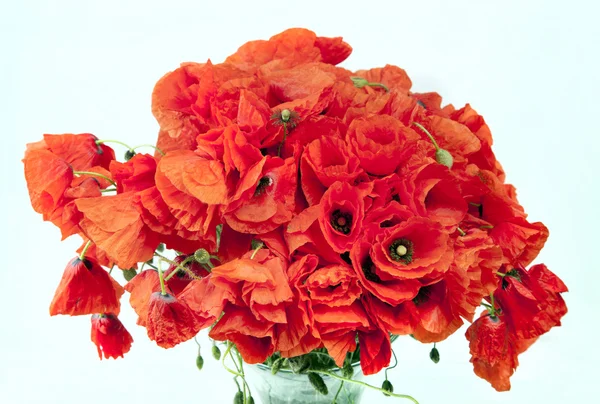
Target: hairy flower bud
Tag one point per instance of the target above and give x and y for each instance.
(199, 362)
(444, 157)
(434, 355)
(216, 352)
(387, 386)
(318, 383)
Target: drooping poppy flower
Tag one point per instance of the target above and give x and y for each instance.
(375, 350)
(530, 300)
(86, 288)
(493, 352)
(110, 336)
(170, 321)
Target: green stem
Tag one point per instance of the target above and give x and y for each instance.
(95, 175)
(502, 274)
(323, 372)
(149, 145)
(461, 231)
(178, 266)
(338, 393)
(485, 226)
(418, 125)
(387, 90)
(108, 190)
(87, 246)
(114, 141)
(395, 363)
(163, 290)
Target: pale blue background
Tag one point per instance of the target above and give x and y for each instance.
(530, 67)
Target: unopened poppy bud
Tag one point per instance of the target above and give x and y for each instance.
(128, 274)
(285, 115)
(387, 386)
(216, 352)
(238, 398)
(434, 355)
(199, 362)
(202, 256)
(318, 383)
(444, 157)
(250, 400)
(129, 155)
(359, 82)
(277, 365)
(160, 248)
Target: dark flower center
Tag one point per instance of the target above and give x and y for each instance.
(422, 296)
(368, 268)
(341, 221)
(401, 250)
(262, 185)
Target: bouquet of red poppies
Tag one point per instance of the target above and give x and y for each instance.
(293, 207)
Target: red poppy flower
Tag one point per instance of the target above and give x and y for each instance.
(398, 320)
(115, 225)
(375, 350)
(436, 319)
(325, 161)
(341, 216)
(48, 177)
(304, 235)
(272, 202)
(388, 289)
(140, 289)
(86, 288)
(252, 337)
(530, 300)
(134, 175)
(170, 321)
(391, 76)
(381, 143)
(110, 336)
(431, 191)
(493, 352)
(416, 248)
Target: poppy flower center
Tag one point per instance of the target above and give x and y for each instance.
(368, 268)
(262, 185)
(341, 221)
(401, 250)
(422, 296)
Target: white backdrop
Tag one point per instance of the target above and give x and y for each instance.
(530, 67)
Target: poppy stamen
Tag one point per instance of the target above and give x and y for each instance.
(401, 250)
(341, 221)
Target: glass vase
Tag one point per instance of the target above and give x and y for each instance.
(287, 387)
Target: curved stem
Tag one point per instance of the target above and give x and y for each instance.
(338, 393)
(395, 363)
(228, 352)
(461, 231)
(387, 90)
(178, 266)
(87, 246)
(114, 141)
(149, 145)
(95, 175)
(323, 372)
(418, 125)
